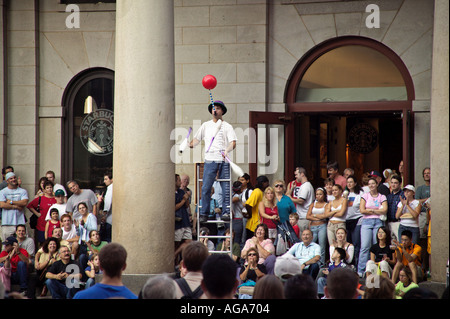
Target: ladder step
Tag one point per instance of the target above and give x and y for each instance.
(214, 221)
(219, 252)
(214, 236)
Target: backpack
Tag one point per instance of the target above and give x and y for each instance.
(34, 218)
(186, 290)
(245, 213)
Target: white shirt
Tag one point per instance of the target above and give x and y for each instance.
(108, 203)
(305, 192)
(354, 201)
(304, 253)
(222, 139)
(72, 233)
(407, 220)
(61, 210)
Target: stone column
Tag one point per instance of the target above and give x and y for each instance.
(22, 108)
(439, 143)
(144, 116)
(3, 86)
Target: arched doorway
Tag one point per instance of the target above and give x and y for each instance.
(348, 99)
(88, 103)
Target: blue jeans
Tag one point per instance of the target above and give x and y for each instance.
(320, 237)
(414, 230)
(321, 283)
(20, 276)
(210, 170)
(238, 229)
(312, 270)
(59, 290)
(369, 229)
(89, 283)
(354, 237)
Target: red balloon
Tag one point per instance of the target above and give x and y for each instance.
(209, 82)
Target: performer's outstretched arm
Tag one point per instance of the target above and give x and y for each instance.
(194, 143)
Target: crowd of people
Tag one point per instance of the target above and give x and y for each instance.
(375, 228)
(338, 237)
(69, 232)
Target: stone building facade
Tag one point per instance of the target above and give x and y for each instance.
(255, 49)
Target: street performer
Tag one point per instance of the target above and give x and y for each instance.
(219, 136)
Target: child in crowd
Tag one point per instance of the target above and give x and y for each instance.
(92, 269)
(236, 207)
(293, 220)
(214, 208)
(204, 231)
(405, 284)
(337, 261)
(52, 223)
(328, 185)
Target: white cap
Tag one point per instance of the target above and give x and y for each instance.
(9, 175)
(410, 187)
(387, 172)
(287, 266)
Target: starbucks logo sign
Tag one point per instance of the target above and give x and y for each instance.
(96, 132)
(363, 138)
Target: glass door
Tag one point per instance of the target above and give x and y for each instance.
(272, 145)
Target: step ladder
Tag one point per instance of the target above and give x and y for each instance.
(198, 183)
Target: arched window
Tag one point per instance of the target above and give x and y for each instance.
(88, 127)
(354, 81)
(349, 70)
(352, 73)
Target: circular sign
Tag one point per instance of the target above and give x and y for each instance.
(363, 138)
(96, 132)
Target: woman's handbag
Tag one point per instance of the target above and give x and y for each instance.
(34, 218)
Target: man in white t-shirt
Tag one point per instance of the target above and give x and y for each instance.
(13, 200)
(219, 138)
(69, 233)
(302, 196)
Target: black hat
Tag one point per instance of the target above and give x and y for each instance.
(217, 103)
(9, 241)
(237, 186)
(375, 173)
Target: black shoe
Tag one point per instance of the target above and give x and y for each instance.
(203, 218)
(226, 217)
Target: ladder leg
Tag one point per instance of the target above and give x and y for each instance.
(226, 184)
(225, 174)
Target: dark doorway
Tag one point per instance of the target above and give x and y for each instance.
(362, 141)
